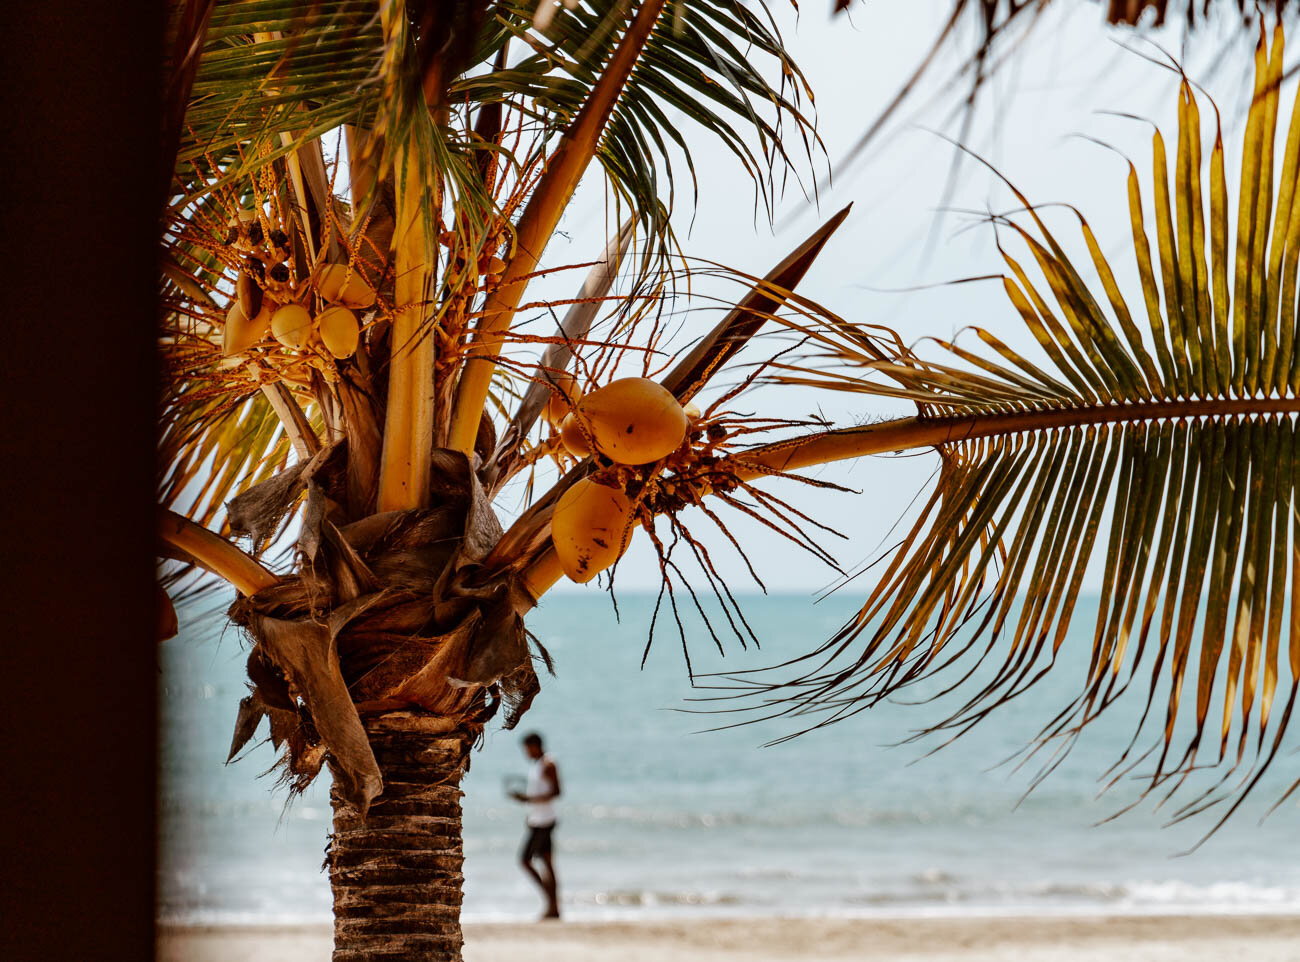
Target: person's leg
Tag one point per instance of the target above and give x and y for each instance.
(526, 856)
(550, 885)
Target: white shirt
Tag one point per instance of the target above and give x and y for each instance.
(540, 814)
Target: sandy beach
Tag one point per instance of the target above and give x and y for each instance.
(1085, 939)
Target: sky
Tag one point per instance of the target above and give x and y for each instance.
(1032, 123)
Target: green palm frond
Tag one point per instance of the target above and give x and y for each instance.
(318, 73)
(710, 61)
(1170, 454)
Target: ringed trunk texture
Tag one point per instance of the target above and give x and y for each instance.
(396, 872)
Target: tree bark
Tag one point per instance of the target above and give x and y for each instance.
(396, 872)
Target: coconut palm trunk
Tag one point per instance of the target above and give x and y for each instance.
(396, 870)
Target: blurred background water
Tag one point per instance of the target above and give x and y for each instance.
(659, 820)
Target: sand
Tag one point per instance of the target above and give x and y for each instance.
(1083, 939)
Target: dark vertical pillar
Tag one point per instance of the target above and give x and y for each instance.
(79, 87)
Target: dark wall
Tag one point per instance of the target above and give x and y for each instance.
(78, 202)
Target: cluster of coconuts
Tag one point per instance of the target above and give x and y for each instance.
(630, 421)
(264, 299)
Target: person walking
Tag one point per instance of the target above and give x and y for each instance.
(539, 796)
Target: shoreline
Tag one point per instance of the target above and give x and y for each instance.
(919, 911)
(1268, 937)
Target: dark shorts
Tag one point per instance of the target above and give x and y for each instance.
(537, 843)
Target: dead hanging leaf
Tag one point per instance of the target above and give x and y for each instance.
(386, 613)
(498, 645)
(304, 652)
(336, 571)
(270, 682)
(408, 550)
(251, 713)
(455, 482)
(260, 511)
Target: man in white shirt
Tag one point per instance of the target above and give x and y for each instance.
(543, 788)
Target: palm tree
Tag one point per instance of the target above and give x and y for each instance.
(349, 358)
(358, 197)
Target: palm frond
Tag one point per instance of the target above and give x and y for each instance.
(1181, 440)
(712, 61)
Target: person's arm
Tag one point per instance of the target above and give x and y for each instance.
(554, 774)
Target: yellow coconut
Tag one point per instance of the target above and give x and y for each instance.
(337, 285)
(249, 295)
(241, 333)
(590, 529)
(634, 420)
(692, 411)
(571, 436)
(291, 326)
(564, 394)
(339, 331)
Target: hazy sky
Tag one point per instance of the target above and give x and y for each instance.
(1071, 69)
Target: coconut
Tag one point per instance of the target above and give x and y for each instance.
(590, 529)
(249, 295)
(250, 230)
(571, 436)
(564, 394)
(291, 326)
(692, 411)
(634, 420)
(338, 284)
(241, 333)
(339, 331)
(280, 247)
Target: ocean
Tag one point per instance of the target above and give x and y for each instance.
(660, 819)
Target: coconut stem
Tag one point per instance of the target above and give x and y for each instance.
(906, 433)
(215, 553)
(409, 418)
(295, 423)
(537, 223)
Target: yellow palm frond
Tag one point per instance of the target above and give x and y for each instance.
(1181, 440)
